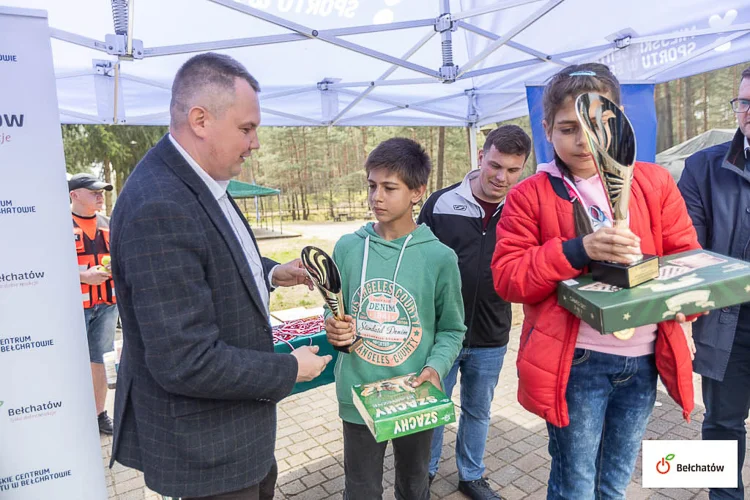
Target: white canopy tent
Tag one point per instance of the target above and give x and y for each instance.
(376, 62)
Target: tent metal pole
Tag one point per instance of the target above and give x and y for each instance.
(384, 83)
(131, 9)
(146, 81)
(383, 77)
(83, 116)
(284, 93)
(257, 212)
(515, 45)
(473, 146)
(76, 39)
(117, 91)
(528, 62)
(507, 4)
(321, 35)
(73, 74)
(292, 117)
(538, 14)
(281, 217)
(167, 50)
(444, 24)
(419, 106)
(685, 34)
(497, 69)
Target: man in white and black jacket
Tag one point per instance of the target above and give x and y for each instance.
(464, 217)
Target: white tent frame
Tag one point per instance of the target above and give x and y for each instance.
(122, 45)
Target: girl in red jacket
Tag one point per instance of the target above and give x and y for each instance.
(596, 392)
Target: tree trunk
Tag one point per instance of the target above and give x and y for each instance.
(304, 180)
(664, 114)
(680, 113)
(441, 157)
(689, 109)
(107, 167)
(705, 102)
(432, 156)
(120, 181)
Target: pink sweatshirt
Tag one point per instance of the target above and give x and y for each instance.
(594, 200)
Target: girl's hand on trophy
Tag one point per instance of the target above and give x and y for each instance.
(340, 333)
(613, 245)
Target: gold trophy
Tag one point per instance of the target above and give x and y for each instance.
(611, 140)
(325, 275)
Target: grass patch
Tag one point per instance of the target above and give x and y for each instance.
(284, 250)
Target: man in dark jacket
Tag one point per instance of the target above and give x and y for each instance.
(198, 384)
(464, 217)
(716, 188)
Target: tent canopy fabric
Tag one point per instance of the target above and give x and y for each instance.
(673, 159)
(376, 62)
(239, 189)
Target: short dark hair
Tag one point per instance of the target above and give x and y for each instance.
(217, 71)
(745, 74)
(510, 140)
(403, 157)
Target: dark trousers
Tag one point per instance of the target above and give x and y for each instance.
(727, 405)
(260, 491)
(363, 465)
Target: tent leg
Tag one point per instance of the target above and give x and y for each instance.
(281, 219)
(473, 146)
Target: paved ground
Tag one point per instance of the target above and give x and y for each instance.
(309, 449)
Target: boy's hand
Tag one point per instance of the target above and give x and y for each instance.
(340, 333)
(428, 374)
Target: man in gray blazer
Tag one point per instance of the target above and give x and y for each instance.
(198, 383)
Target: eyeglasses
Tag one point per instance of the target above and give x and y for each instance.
(740, 105)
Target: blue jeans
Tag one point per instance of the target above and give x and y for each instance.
(610, 399)
(727, 405)
(101, 322)
(480, 369)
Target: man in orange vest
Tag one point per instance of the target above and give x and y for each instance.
(91, 231)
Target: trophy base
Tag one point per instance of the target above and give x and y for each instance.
(626, 275)
(351, 347)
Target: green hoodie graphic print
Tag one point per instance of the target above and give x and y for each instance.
(405, 297)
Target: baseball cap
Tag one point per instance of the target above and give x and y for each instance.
(87, 181)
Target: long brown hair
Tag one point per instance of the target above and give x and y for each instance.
(571, 82)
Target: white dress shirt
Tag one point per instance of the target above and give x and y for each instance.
(219, 190)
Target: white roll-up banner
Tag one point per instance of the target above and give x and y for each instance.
(49, 441)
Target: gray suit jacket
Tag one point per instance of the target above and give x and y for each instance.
(198, 382)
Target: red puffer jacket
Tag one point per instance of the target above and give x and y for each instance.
(537, 248)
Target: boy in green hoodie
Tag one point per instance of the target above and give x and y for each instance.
(403, 290)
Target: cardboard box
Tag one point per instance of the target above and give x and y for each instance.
(689, 282)
(392, 408)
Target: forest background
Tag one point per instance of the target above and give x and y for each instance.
(319, 169)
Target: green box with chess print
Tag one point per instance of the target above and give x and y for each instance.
(392, 408)
(689, 282)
